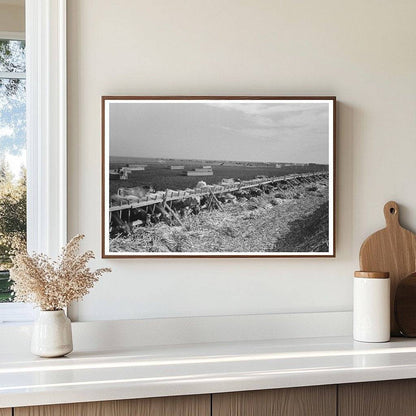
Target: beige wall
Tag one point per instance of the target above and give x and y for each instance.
(361, 51)
(12, 18)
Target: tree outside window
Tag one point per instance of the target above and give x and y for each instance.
(12, 156)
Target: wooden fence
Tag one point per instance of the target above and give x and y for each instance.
(170, 195)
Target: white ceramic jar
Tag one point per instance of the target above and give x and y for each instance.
(371, 313)
(52, 334)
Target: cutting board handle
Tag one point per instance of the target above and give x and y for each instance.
(391, 214)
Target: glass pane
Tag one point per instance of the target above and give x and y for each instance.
(12, 175)
(12, 56)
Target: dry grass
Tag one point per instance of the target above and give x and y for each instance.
(259, 224)
(53, 284)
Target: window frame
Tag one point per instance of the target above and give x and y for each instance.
(46, 137)
(12, 35)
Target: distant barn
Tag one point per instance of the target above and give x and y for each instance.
(177, 167)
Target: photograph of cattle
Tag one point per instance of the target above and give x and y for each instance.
(218, 176)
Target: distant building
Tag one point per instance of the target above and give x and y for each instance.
(177, 167)
(136, 167)
(200, 172)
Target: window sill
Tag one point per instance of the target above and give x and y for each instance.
(16, 313)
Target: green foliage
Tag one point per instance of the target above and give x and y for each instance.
(5, 291)
(12, 214)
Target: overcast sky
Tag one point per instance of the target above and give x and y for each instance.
(253, 131)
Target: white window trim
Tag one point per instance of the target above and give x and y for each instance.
(46, 134)
(46, 125)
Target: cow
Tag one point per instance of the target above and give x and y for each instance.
(228, 197)
(139, 216)
(124, 224)
(255, 192)
(132, 199)
(267, 189)
(118, 225)
(242, 193)
(191, 205)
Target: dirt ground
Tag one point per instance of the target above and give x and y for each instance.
(295, 221)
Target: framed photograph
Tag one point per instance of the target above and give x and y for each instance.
(218, 176)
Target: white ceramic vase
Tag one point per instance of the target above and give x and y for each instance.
(52, 334)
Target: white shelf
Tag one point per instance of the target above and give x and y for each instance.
(151, 371)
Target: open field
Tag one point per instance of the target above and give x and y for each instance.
(160, 177)
(275, 219)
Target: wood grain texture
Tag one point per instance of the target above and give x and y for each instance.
(381, 398)
(300, 401)
(5, 412)
(160, 406)
(405, 306)
(372, 275)
(393, 250)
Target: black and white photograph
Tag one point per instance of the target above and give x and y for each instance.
(218, 176)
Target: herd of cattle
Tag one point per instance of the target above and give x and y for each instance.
(123, 221)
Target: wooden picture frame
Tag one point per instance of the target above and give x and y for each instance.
(218, 176)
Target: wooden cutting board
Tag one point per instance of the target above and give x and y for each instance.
(393, 250)
(405, 306)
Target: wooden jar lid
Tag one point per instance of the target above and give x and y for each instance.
(372, 275)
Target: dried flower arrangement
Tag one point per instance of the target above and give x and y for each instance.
(53, 285)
